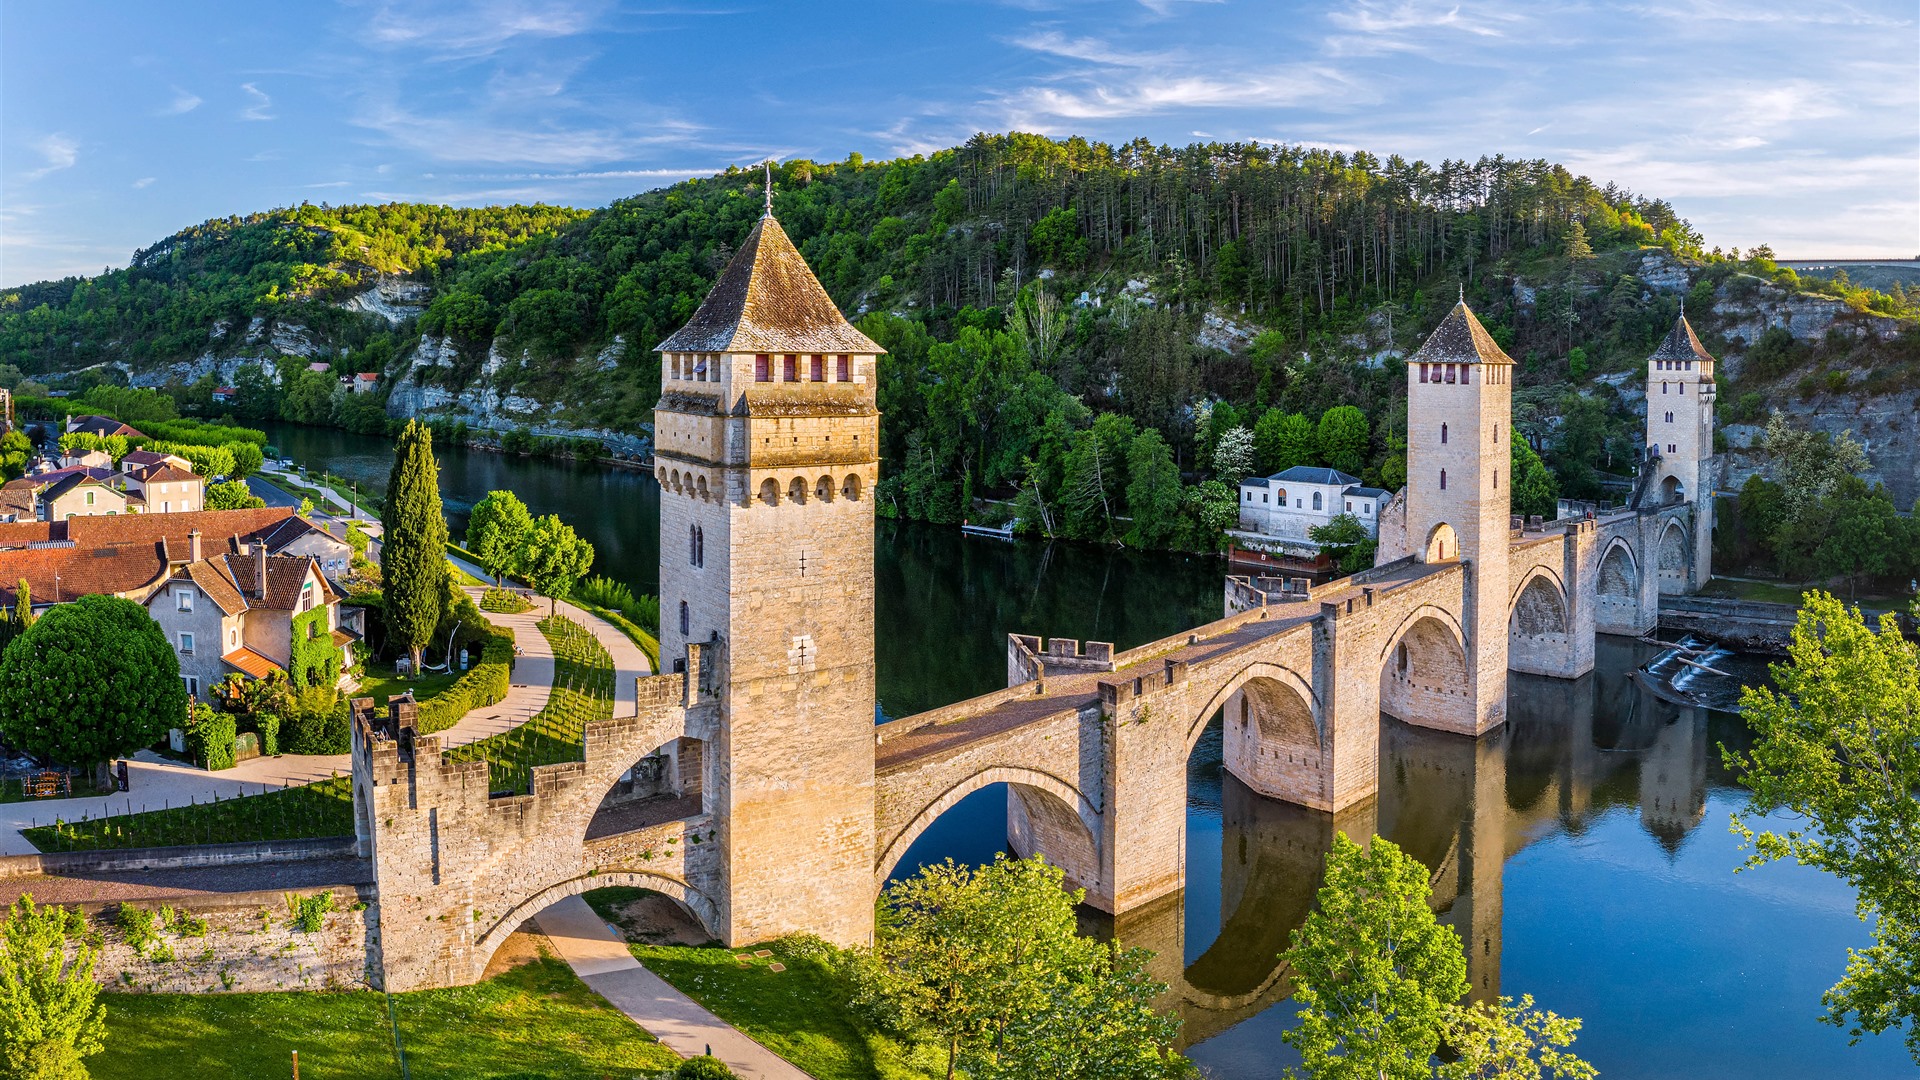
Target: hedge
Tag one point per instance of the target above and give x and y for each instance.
(483, 684)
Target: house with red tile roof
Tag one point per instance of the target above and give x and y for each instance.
(101, 425)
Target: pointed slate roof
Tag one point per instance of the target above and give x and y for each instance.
(1460, 339)
(1681, 344)
(767, 300)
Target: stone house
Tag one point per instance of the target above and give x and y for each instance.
(298, 536)
(1288, 504)
(85, 459)
(78, 494)
(242, 610)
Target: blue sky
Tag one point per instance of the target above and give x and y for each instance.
(1793, 122)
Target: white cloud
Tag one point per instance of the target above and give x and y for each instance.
(1092, 50)
(143, 182)
(1164, 8)
(184, 101)
(471, 30)
(455, 138)
(261, 103)
(60, 152)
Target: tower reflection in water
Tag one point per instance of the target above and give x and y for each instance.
(1569, 752)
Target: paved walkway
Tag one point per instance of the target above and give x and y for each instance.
(599, 955)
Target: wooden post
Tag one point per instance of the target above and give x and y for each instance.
(296, 1065)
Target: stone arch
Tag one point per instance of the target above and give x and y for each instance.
(1284, 676)
(660, 475)
(770, 491)
(823, 490)
(676, 481)
(1671, 560)
(850, 487)
(1015, 776)
(1274, 741)
(1443, 544)
(797, 490)
(690, 899)
(1539, 605)
(1673, 489)
(700, 487)
(1423, 672)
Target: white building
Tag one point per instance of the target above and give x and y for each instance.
(1287, 504)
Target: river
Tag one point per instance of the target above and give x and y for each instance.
(1582, 850)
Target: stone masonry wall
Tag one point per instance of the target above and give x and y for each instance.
(239, 942)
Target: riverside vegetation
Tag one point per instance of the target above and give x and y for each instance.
(1078, 327)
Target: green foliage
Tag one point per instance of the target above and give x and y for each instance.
(1532, 489)
(308, 914)
(1837, 747)
(1153, 490)
(315, 659)
(1346, 542)
(483, 684)
(1282, 440)
(66, 697)
(1374, 972)
(703, 1068)
(50, 1015)
(311, 810)
(582, 693)
(16, 451)
(503, 601)
(1341, 439)
(989, 962)
(232, 495)
(208, 461)
(129, 405)
(1233, 456)
(413, 559)
(552, 556)
(210, 737)
(1511, 1041)
(495, 529)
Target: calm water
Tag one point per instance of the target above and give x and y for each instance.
(1582, 850)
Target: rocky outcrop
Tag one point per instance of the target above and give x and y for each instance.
(482, 406)
(394, 299)
(1663, 273)
(224, 369)
(1748, 308)
(292, 339)
(1888, 427)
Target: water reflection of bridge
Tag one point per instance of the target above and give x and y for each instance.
(1570, 752)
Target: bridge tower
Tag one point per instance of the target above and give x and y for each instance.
(1680, 396)
(1459, 431)
(766, 441)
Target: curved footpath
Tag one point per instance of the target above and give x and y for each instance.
(157, 782)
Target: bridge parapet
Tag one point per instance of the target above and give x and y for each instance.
(1028, 661)
(1116, 694)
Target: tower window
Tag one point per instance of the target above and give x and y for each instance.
(763, 368)
(1423, 372)
(1443, 433)
(1451, 373)
(1663, 388)
(686, 619)
(843, 368)
(1443, 479)
(1683, 389)
(819, 368)
(789, 367)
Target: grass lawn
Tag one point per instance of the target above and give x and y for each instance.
(312, 810)
(582, 692)
(381, 683)
(802, 1014)
(532, 1022)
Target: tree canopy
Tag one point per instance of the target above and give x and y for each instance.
(413, 549)
(90, 680)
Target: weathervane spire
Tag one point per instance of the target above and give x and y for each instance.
(1463, 292)
(768, 166)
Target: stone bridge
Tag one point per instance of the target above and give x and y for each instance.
(752, 787)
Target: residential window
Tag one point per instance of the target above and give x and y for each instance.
(89, 498)
(1366, 508)
(762, 368)
(1349, 506)
(1443, 479)
(183, 599)
(193, 685)
(843, 368)
(1249, 496)
(186, 643)
(306, 597)
(819, 369)
(1316, 500)
(233, 637)
(1263, 497)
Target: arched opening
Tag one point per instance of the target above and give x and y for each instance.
(1616, 591)
(1272, 743)
(1672, 490)
(1443, 544)
(1317, 504)
(850, 487)
(666, 785)
(700, 488)
(1003, 808)
(770, 491)
(824, 489)
(1537, 629)
(1673, 558)
(1423, 678)
(797, 490)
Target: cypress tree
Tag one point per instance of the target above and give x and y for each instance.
(413, 553)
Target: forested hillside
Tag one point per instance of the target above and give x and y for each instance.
(1110, 333)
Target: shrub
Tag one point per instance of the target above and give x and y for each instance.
(308, 914)
(704, 1068)
(483, 684)
(210, 737)
(503, 601)
(316, 723)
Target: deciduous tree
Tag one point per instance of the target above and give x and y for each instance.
(1532, 488)
(1837, 747)
(1342, 439)
(1233, 457)
(232, 495)
(1153, 489)
(50, 1014)
(413, 551)
(552, 557)
(494, 531)
(90, 680)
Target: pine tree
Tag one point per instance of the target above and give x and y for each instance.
(1577, 245)
(413, 553)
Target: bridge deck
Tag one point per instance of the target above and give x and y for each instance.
(912, 739)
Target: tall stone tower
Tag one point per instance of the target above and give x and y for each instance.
(766, 444)
(1680, 397)
(1459, 432)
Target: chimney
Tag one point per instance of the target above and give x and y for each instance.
(260, 569)
(193, 546)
